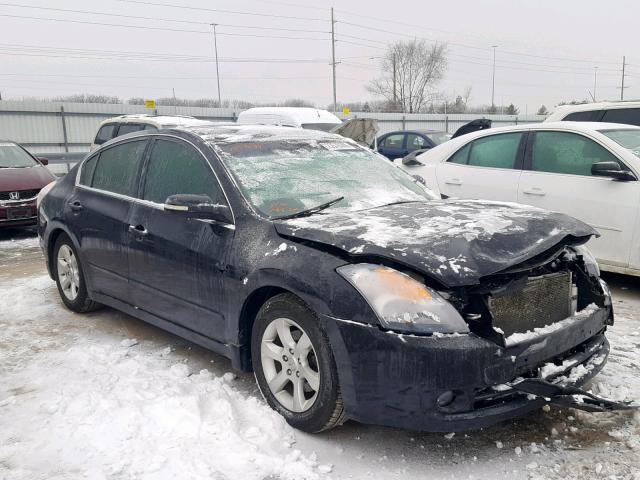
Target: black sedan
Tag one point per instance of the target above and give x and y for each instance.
(345, 285)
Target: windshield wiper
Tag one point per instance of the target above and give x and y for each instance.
(312, 210)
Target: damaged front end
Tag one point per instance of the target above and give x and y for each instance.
(535, 335)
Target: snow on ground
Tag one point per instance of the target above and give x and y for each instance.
(105, 396)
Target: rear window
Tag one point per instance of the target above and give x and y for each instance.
(105, 133)
(129, 128)
(117, 168)
(589, 116)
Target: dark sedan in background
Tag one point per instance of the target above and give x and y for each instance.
(22, 176)
(351, 292)
(399, 144)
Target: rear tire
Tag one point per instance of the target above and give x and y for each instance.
(69, 276)
(294, 366)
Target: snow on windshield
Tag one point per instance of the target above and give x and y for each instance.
(287, 176)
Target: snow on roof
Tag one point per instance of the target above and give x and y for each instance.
(231, 133)
(291, 115)
(159, 120)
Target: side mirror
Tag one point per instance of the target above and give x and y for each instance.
(198, 207)
(43, 161)
(411, 160)
(611, 170)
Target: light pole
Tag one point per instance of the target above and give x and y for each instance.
(493, 79)
(215, 48)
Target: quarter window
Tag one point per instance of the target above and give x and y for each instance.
(86, 175)
(568, 153)
(175, 168)
(496, 151)
(461, 155)
(590, 116)
(630, 116)
(117, 168)
(105, 134)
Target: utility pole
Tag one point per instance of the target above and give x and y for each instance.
(395, 97)
(493, 79)
(215, 48)
(333, 59)
(624, 63)
(175, 105)
(595, 82)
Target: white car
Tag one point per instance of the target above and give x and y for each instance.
(118, 126)
(610, 112)
(587, 170)
(301, 117)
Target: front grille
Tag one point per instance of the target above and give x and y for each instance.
(543, 300)
(23, 194)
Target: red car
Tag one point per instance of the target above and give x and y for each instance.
(22, 176)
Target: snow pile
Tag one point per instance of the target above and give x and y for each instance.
(97, 405)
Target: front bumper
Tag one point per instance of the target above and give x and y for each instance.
(455, 383)
(18, 214)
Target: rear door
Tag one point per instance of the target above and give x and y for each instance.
(393, 146)
(557, 177)
(98, 211)
(177, 265)
(486, 168)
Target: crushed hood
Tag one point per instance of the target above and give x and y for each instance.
(453, 242)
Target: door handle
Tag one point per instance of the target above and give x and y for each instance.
(138, 230)
(535, 191)
(453, 181)
(76, 206)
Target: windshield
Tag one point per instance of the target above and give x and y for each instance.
(439, 137)
(325, 127)
(281, 178)
(628, 138)
(13, 156)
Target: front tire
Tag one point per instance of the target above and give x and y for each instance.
(69, 277)
(294, 366)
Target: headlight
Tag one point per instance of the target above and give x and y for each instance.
(402, 303)
(589, 260)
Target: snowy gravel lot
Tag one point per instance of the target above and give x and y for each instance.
(106, 396)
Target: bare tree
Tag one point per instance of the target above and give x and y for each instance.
(411, 69)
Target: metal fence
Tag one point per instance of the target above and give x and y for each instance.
(64, 131)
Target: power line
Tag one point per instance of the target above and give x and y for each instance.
(139, 17)
(217, 10)
(143, 27)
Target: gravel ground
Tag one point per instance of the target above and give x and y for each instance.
(106, 396)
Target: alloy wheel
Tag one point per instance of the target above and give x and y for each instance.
(68, 272)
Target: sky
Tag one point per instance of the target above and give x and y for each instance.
(547, 50)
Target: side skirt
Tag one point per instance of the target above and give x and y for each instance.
(232, 352)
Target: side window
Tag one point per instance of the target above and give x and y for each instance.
(496, 151)
(568, 153)
(129, 128)
(590, 116)
(148, 126)
(394, 141)
(415, 142)
(86, 175)
(630, 116)
(461, 155)
(117, 168)
(176, 168)
(104, 134)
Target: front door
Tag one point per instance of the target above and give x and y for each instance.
(98, 213)
(177, 264)
(558, 177)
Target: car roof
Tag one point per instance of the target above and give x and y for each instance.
(424, 132)
(159, 121)
(299, 115)
(234, 133)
